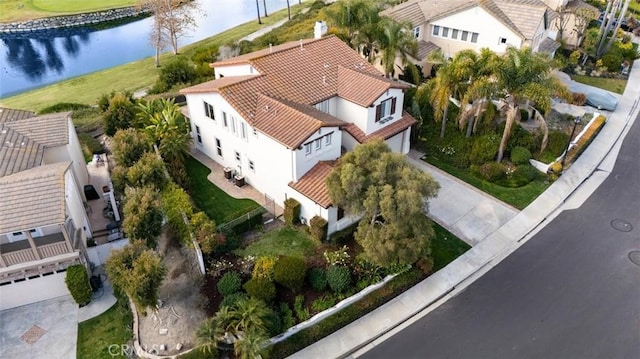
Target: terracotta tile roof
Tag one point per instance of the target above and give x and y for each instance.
(288, 122)
(299, 75)
(312, 185)
(10, 114)
(351, 86)
(216, 85)
(246, 58)
(18, 152)
(48, 130)
(384, 133)
(33, 198)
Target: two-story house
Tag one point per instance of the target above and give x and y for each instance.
(281, 116)
(43, 222)
(455, 25)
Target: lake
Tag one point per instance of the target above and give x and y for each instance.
(33, 60)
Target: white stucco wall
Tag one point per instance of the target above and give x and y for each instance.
(350, 112)
(33, 290)
(334, 224)
(372, 125)
(308, 208)
(473, 20)
(75, 207)
(235, 70)
(304, 162)
(348, 142)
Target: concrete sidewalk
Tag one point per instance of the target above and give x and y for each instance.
(573, 187)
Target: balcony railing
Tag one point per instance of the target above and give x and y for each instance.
(21, 252)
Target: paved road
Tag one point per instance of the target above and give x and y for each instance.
(569, 292)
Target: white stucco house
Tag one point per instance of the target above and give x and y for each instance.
(281, 116)
(43, 221)
(455, 25)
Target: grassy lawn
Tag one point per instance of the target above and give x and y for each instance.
(445, 247)
(128, 77)
(113, 327)
(285, 241)
(20, 10)
(613, 85)
(218, 205)
(519, 197)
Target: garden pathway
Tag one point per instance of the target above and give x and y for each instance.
(463, 210)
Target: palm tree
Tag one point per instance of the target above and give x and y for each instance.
(396, 41)
(250, 313)
(258, 9)
(480, 87)
(168, 127)
(525, 75)
(249, 345)
(352, 17)
(264, 3)
(288, 10)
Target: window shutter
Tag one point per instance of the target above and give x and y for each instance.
(393, 105)
(378, 112)
(206, 108)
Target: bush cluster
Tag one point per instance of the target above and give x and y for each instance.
(578, 99)
(318, 228)
(231, 299)
(490, 171)
(63, 107)
(485, 148)
(261, 288)
(291, 211)
(78, 283)
(520, 155)
(229, 283)
(318, 279)
(263, 268)
(339, 278)
(290, 272)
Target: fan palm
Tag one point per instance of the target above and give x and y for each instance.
(396, 42)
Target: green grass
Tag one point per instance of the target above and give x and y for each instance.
(613, 85)
(445, 247)
(519, 197)
(113, 327)
(285, 241)
(217, 204)
(128, 77)
(21, 10)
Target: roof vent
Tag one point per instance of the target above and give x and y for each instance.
(270, 48)
(301, 48)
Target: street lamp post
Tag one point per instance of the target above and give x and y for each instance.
(576, 121)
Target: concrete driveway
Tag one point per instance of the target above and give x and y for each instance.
(47, 329)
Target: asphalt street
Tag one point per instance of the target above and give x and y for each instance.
(571, 291)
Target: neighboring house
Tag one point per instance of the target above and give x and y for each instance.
(43, 221)
(281, 116)
(455, 25)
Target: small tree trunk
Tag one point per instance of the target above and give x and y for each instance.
(264, 3)
(545, 130)
(258, 9)
(444, 120)
(612, 39)
(157, 55)
(288, 10)
(511, 118)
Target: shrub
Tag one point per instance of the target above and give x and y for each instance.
(318, 279)
(147, 171)
(263, 267)
(119, 115)
(260, 288)
(63, 107)
(523, 175)
(318, 228)
(492, 171)
(337, 257)
(78, 283)
(612, 61)
(344, 235)
(524, 115)
(288, 320)
(273, 323)
(202, 58)
(231, 299)
(290, 272)
(298, 306)
(485, 148)
(291, 211)
(520, 155)
(323, 303)
(180, 70)
(339, 278)
(556, 144)
(521, 138)
(578, 99)
(229, 283)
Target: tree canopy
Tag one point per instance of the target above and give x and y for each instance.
(391, 195)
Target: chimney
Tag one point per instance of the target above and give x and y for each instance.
(320, 29)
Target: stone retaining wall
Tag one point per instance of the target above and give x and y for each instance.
(58, 22)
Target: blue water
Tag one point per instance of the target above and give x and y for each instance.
(35, 60)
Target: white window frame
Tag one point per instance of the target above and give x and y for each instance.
(502, 40)
(219, 147)
(238, 156)
(318, 145)
(327, 139)
(198, 135)
(243, 130)
(20, 236)
(474, 37)
(209, 111)
(233, 124)
(454, 33)
(307, 149)
(436, 30)
(445, 31)
(416, 32)
(225, 121)
(252, 166)
(464, 36)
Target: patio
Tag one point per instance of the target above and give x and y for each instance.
(99, 177)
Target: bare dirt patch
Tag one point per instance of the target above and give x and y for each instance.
(182, 309)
